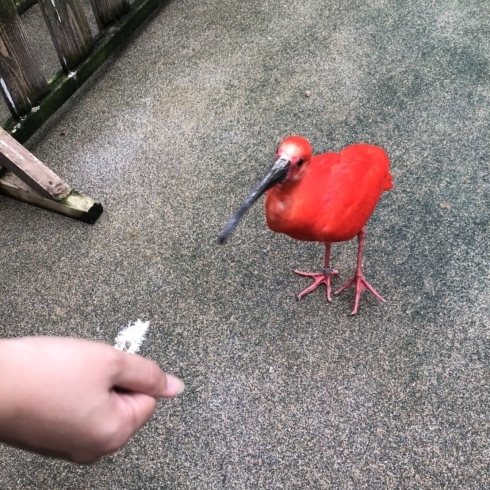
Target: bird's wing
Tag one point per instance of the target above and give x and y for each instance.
(355, 184)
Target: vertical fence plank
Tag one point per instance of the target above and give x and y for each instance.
(106, 11)
(21, 82)
(69, 30)
(63, 86)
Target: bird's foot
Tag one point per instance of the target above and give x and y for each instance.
(318, 278)
(360, 283)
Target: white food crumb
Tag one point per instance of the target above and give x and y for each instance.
(130, 338)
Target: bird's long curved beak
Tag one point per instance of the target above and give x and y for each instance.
(276, 175)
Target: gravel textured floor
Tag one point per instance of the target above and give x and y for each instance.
(171, 135)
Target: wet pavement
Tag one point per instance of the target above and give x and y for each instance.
(170, 135)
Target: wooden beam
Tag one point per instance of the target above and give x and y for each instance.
(106, 11)
(69, 30)
(21, 81)
(74, 205)
(25, 178)
(63, 86)
(32, 171)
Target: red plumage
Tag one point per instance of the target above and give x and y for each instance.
(325, 198)
(332, 196)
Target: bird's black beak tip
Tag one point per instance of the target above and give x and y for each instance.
(221, 240)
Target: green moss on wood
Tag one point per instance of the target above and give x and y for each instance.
(24, 5)
(62, 86)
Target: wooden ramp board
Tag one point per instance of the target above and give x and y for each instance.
(27, 179)
(75, 205)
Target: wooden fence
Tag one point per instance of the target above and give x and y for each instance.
(32, 99)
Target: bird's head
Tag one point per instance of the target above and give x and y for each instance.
(296, 152)
(291, 160)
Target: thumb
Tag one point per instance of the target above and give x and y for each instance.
(135, 373)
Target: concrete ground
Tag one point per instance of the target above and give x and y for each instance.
(170, 136)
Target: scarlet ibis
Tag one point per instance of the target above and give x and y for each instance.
(323, 198)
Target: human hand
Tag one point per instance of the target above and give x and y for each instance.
(75, 399)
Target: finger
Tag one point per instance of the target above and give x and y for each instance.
(135, 373)
(135, 410)
(138, 408)
(128, 412)
(174, 386)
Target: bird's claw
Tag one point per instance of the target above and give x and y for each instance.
(318, 278)
(360, 283)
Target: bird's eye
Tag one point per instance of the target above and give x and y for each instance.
(300, 162)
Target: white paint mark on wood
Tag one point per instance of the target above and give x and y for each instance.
(56, 10)
(11, 149)
(7, 93)
(130, 338)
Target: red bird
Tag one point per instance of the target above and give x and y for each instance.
(323, 198)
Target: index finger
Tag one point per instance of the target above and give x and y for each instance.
(135, 373)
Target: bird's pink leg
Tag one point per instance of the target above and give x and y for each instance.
(359, 280)
(320, 277)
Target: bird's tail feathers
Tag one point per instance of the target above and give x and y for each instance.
(388, 184)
